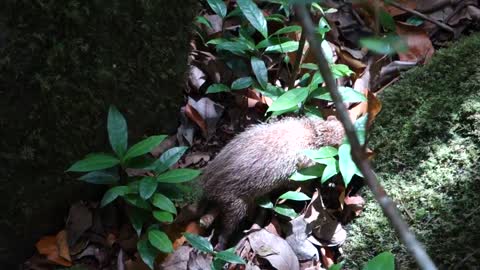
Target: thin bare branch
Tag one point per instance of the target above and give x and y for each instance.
(358, 153)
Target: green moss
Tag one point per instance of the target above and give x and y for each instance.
(62, 63)
(427, 140)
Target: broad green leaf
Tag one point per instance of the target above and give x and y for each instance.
(290, 99)
(217, 41)
(361, 128)
(415, 21)
(160, 240)
(330, 170)
(312, 111)
(117, 131)
(217, 88)
(144, 146)
(272, 41)
(147, 252)
(308, 173)
(163, 216)
(260, 71)
(310, 66)
(323, 27)
(272, 91)
(217, 264)
(178, 176)
(241, 83)
(337, 266)
(264, 202)
(287, 29)
(199, 242)
(137, 217)
(168, 159)
(94, 162)
(346, 164)
(219, 7)
(100, 177)
(237, 47)
(383, 261)
(285, 211)
(289, 46)
(316, 80)
(327, 50)
(294, 196)
(348, 95)
(135, 200)
(148, 186)
(254, 15)
(163, 202)
(277, 18)
(341, 70)
(386, 45)
(323, 152)
(229, 256)
(113, 193)
(386, 21)
(204, 21)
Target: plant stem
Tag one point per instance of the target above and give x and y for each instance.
(298, 61)
(358, 152)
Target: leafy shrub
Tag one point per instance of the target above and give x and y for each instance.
(149, 196)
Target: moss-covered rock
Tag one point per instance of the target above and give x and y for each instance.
(62, 62)
(427, 140)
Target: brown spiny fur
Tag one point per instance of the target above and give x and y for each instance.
(259, 160)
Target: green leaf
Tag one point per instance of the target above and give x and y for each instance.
(415, 21)
(147, 252)
(229, 256)
(287, 29)
(242, 83)
(219, 7)
(348, 95)
(217, 88)
(330, 170)
(383, 261)
(347, 166)
(144, 146)
(272, 91)
(100, 178)
(260, 71)
(361, 128)
(160, 240)
(310, 66)
(254, 15)
(168, 159)
(323, 152)
(386, 45)
(341, 70)
(178, 176)
(216, 41)
(290, 99)
(316, 80)
(327, 50)
(386, 21)
(337, 266)
(294, 196)
(163, 202)
(113, 193)
(272, 41)
(204, 21)
(117, 131)
(135, 200)
(285, 211)
(289, 46)
(199, 242)
(148, 186)
(94, 162)
(238, 47)
(323, 27)
(137, 217)
(163, 216)
(264, 202)
(308, 173)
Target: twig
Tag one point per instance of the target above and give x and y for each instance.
(358, 153)
(298, 60)
(423, 16)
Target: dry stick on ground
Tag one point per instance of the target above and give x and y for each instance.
(423, 16)
(358, 153)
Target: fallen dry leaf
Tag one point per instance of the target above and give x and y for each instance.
(420, 48)
(48, 246)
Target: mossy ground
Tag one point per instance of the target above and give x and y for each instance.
(427, 141)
